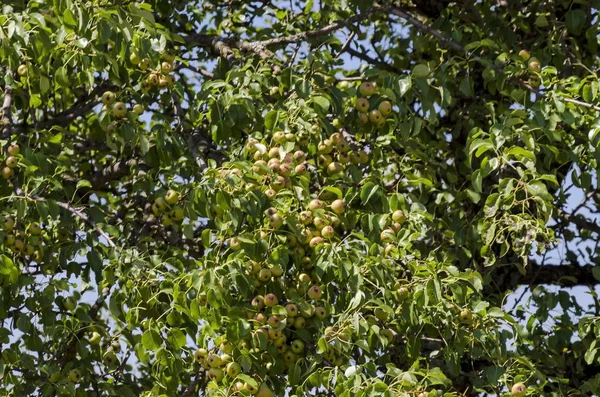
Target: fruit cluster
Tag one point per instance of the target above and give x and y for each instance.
(219, 365)
(108, 348)
(28, 241)
(118, 109)
(11, 161)
(160, 77)
(367, 112)
(166, 208)
(290, 303)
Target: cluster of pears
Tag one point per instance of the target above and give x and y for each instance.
(275, 166)
(74, 376)
(388, 235)
(118, 109)
(160, 77)
(27, 241)
(319, 224)
(218, 366)
(109, 357)
(166, 207)
(11, 161)
(287, 304)
(274, 338)
(335, 153)
(534, 67)
(374, 112)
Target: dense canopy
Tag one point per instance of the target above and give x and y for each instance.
(271, 198)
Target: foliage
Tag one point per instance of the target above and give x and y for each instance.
(215, 198)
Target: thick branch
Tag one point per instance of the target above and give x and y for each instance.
(224, 46)
(6, 118)
(569, 275)
(114, 172)
(221, 45)
(82, 105)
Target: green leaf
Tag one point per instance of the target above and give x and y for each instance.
(294, 374)
(420, 71)
(8, 268)
(56, 138)
(476, 180)
(338, 192)
(178, 337)
(596, 272)
(151, 340)
(466, 86)
(351, 371)
(575, 21)
(496, 312)
(590, 356)
(480, 146)
(368, 191)
(404, 85)
(322, 103)
(61, 77)
(44, 84)
(248, 379)
(538, 189)
(206, 236)
(69, 18)
(520, 153)
(271, 119)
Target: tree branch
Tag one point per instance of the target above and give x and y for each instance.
(372, 61)
(194, 69)
(82, 105)
(346, 45)
(6, 118)
(74, 211)
(459, 48)
(191, 389)
(114, 171)
(569, 275)
(224, 46)
(578, 220)
(318, 32)
(221, 45)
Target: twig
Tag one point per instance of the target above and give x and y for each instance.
(72, 210)
(579, 221)
(373, 61)
(199, 160)
(194, 69)
(192, 387)
(346, 44)
(179, 112)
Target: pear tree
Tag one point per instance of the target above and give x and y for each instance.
(299, 198)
